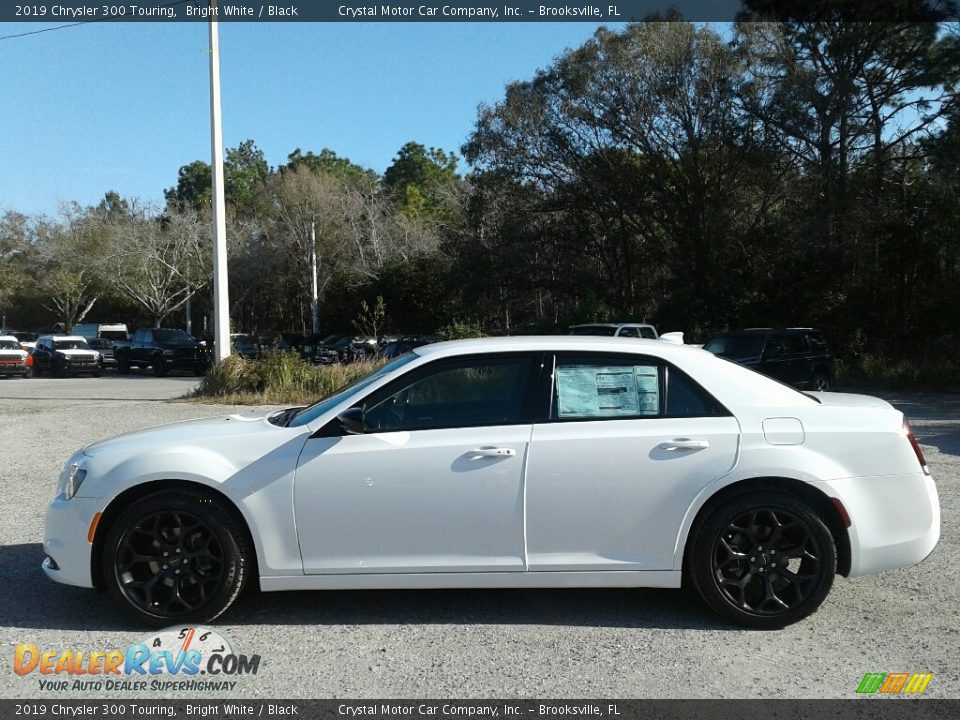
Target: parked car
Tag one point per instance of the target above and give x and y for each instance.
(314, 350)
(507, 462)
(65, 354)
(14, 360)
(626, 330)
(351, 348)
(163, 349)
(104, 346)
(27, 340)
(404, 345)
(796, 356)
(109, 331)
(634, 330)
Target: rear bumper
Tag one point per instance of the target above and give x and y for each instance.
(894, 520)
(65, 540)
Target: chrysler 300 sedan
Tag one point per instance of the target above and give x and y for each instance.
(515, 462)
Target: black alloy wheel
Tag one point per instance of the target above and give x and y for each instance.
(175, 557)
(764, 560)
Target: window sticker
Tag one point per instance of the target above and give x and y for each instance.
(599, 391)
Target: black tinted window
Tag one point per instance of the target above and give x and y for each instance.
(466, 393)
(687, 399)
(735, 347)
(794, 344)
(817, 343)
(630, 332)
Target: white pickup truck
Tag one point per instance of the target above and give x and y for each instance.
(633, 330)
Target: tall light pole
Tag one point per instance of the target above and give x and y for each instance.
(221, 295)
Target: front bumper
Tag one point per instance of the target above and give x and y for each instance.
(65, 539)
(895, 520)
(10, 368)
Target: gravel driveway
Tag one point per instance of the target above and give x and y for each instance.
(517, 643)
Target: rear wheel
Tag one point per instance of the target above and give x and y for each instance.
(175, 557)
(764, 560)
(159, 365)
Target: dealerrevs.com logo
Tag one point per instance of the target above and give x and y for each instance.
(193, 659)
(894, 683)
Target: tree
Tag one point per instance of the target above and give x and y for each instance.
(159, 262)
(65, 260)
(422, 179)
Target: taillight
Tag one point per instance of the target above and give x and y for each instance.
(916, 446)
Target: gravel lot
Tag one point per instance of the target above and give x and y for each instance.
(543, 643)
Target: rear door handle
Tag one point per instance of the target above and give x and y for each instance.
(493, 452)
(684, 444)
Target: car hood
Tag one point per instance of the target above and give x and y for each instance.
(13, 354)
(205, 431)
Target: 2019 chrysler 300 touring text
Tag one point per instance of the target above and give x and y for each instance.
(511, 462)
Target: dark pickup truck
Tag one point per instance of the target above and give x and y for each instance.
(162, 349)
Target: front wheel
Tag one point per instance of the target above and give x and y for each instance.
(123, 367)
(764, 560)
(821, 383)
(175, 557)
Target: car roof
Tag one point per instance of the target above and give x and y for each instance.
(519, 343)
(9, 337)
(63, 337)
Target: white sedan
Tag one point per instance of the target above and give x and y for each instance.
(527, 462)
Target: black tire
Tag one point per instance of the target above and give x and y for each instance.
(96, 374)
(821, 382)
(736, 559)
(123, 367)
(36, 369)
(28, 373)
(159, 365)
(199, 370)
(208, 561)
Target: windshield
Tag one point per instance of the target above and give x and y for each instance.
(593, 330)
(178, 337)
(71, 345)
(9, 345)
(311, 413)
(736, 347)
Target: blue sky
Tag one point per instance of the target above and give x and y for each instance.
(122, 106)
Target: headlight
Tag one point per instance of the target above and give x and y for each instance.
(74, 481)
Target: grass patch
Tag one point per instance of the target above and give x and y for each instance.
(880, 372)
(279, 378)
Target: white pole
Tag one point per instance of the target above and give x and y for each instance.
(221, 295)
(313, 280)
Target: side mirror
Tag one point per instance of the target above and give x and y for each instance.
(353, 421)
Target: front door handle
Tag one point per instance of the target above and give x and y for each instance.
(684, 444)
(493, 452)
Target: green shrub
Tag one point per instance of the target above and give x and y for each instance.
(277, 378)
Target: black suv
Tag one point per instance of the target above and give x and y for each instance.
(796, 356)
(162, 349)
